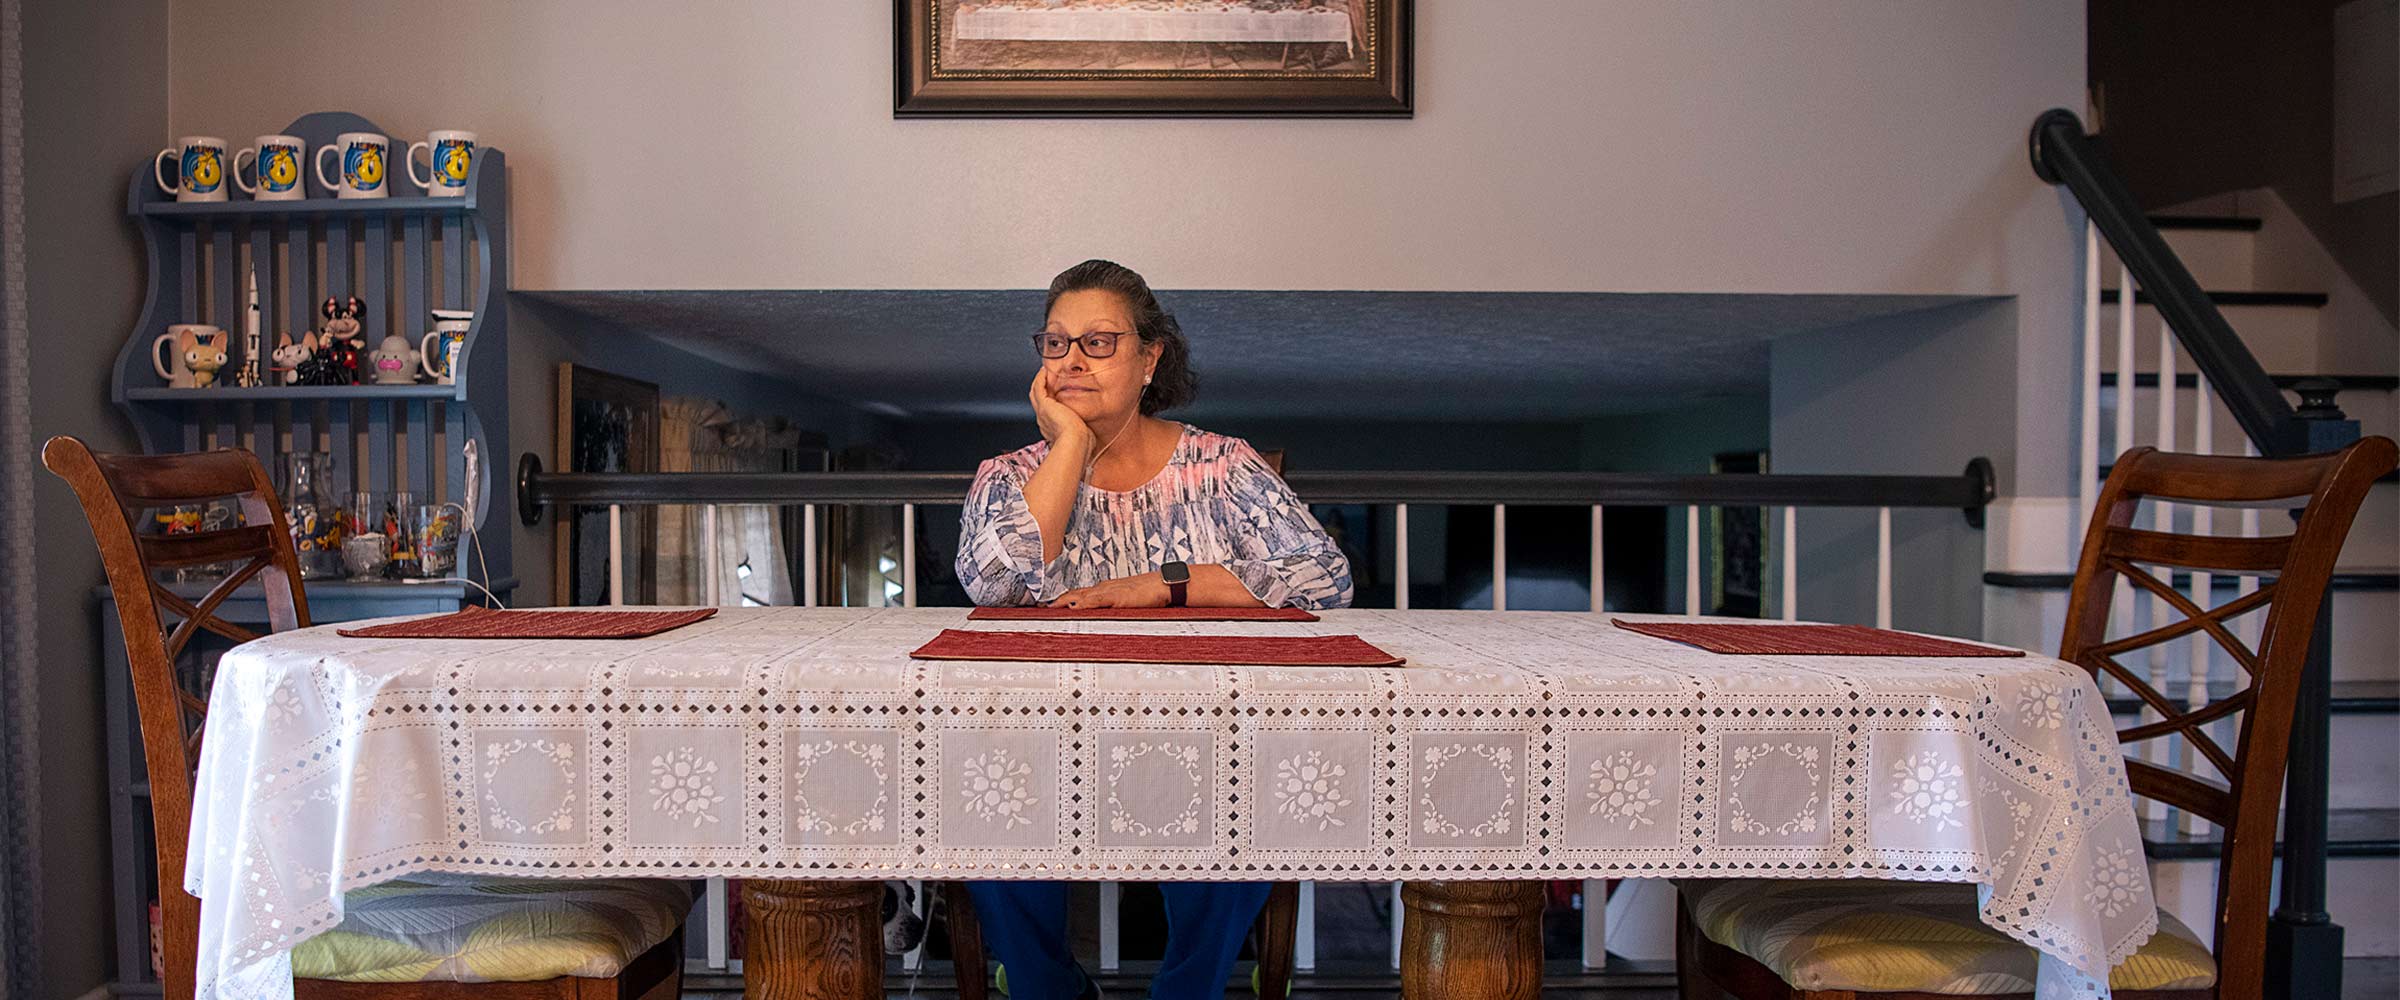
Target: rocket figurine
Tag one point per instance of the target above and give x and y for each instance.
(252, 351)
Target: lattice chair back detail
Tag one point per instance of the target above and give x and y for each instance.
(2245, 790)
(158, 625)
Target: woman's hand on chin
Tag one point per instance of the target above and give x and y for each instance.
(1054, 418)
(1149, 590)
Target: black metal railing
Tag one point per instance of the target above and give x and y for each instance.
(2305, 945)
(1969, 491)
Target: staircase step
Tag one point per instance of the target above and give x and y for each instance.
(2310, 300)
(2388, 477)
(2169, 222)
(2349, 833)
(2191, 380)
(2284, 338)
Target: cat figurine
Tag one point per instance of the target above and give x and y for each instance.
(340, 343)
(204, 355)
(319, 366)
(289, 356)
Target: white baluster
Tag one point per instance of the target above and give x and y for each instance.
(1499, 557)
(2162, 518)
(2203, 523)
(1595, 923)
(1400, 556)
(616, 554)
(808, 555)
(1304, 930)
(1398, 913)
(2087, 441)
(2120, 605)
(1691, 560)
(1599, 578)
(720, 920)
(711, 591)
(1112, 899)
(1791, 564)
(1883, 567)
(908, 555)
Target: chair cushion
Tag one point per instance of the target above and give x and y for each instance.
(477, 929)
(1906, 936)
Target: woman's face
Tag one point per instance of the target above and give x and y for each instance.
(1098, 387)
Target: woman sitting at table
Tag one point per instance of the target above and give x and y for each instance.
(1115, 507)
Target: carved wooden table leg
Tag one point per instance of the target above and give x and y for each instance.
(812, 940)
(1471, 941)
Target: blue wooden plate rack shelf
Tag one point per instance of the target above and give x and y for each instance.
(402, 256)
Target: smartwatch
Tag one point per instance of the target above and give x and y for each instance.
(1177, 576)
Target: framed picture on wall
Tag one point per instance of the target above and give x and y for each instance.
(606, 423)
(1153, 58)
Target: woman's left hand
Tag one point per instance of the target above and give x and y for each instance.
(1149, 590)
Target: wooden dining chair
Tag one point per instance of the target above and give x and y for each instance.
(580, 925)
(1756, 939)
(1271, 936)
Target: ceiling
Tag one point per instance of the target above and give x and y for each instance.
(1465, 356)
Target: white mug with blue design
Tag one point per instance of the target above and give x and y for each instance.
(200, 169)
(452, 152)
(366, 165)
(275, 161)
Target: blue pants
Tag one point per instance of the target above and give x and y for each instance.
(1025, 926)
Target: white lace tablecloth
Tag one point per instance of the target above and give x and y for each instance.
(804, 743)
(1187, 22)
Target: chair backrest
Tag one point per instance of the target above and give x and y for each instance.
(158, 623)
(1274, 459)
(2244, 793)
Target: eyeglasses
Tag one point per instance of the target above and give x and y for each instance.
(1096, 345)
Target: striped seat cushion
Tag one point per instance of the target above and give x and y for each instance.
(475, 929)
(1906, 936)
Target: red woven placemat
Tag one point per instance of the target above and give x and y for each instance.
(1808, 640)
(1143, 614)
(486, 623)
(1110, 647)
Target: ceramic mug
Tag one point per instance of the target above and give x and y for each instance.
(276, 162)
(451, 152)
(366, 165)
(178, 373)
(200, 169)
(439, 349)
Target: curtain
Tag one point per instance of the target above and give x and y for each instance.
(751, 565)
(20, 885)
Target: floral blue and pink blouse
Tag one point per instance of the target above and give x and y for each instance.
(1215, 502)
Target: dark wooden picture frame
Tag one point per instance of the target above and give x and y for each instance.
(1737, 546)
(606, 423)
(936, 76)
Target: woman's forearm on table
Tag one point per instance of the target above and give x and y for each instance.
(1214, 586)
(1050, 493)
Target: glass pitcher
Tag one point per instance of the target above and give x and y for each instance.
(314, 514)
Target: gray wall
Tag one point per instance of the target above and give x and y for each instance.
(1915, 394)
(95, 80)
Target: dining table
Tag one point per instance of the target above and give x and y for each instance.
(806, 752)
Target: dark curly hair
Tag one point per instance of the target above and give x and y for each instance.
(1172, 384)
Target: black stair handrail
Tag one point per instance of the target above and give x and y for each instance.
(1970, 491)
(2065, 155)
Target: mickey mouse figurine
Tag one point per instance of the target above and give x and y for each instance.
(339, 344)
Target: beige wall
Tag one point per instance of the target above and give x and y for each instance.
(95, 86)
(1817, 146)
